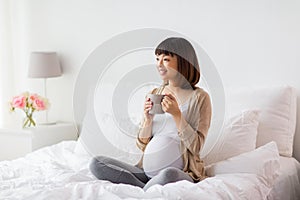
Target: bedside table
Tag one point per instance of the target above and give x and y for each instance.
(17, 143)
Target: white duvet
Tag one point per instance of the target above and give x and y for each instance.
(56, 172)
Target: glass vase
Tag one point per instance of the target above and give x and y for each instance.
(28, 121)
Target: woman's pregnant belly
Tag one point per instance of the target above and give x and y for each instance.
(161, 152)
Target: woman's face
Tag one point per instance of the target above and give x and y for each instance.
(167, 66)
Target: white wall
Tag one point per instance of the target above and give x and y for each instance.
(6, 72)
(252, 42)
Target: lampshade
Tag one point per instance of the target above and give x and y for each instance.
(44, 65)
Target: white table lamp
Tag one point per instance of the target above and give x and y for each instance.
(44, 65)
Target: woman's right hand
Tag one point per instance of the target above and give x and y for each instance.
(147, 107)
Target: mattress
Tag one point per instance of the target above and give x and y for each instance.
(58, 172)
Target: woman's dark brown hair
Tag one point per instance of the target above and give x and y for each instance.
(188, 65)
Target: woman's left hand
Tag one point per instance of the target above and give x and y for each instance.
(170, 105)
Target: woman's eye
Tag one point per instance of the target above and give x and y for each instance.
(166, 60)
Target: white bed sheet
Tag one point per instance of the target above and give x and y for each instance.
(287, 185)
(56, 172)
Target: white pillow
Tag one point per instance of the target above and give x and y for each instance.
(238, 136)
(277, 121)
(263, 161)
(105, 138)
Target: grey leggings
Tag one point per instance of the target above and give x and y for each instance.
(105, 168)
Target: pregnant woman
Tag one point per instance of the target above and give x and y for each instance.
(170, 142)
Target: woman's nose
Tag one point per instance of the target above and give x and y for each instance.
(159, 62)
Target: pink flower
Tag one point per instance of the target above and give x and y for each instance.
(32, 97)
(29, 103)
(19, 102)
(39, 104)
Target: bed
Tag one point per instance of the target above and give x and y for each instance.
(56, 172)
(259, 165)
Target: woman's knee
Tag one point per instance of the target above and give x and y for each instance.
(169, 173)
(96, 164)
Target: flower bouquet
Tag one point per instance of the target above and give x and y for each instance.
(29, 103)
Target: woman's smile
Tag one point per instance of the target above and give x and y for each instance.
(162, 71)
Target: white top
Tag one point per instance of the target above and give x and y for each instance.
(164, 148)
